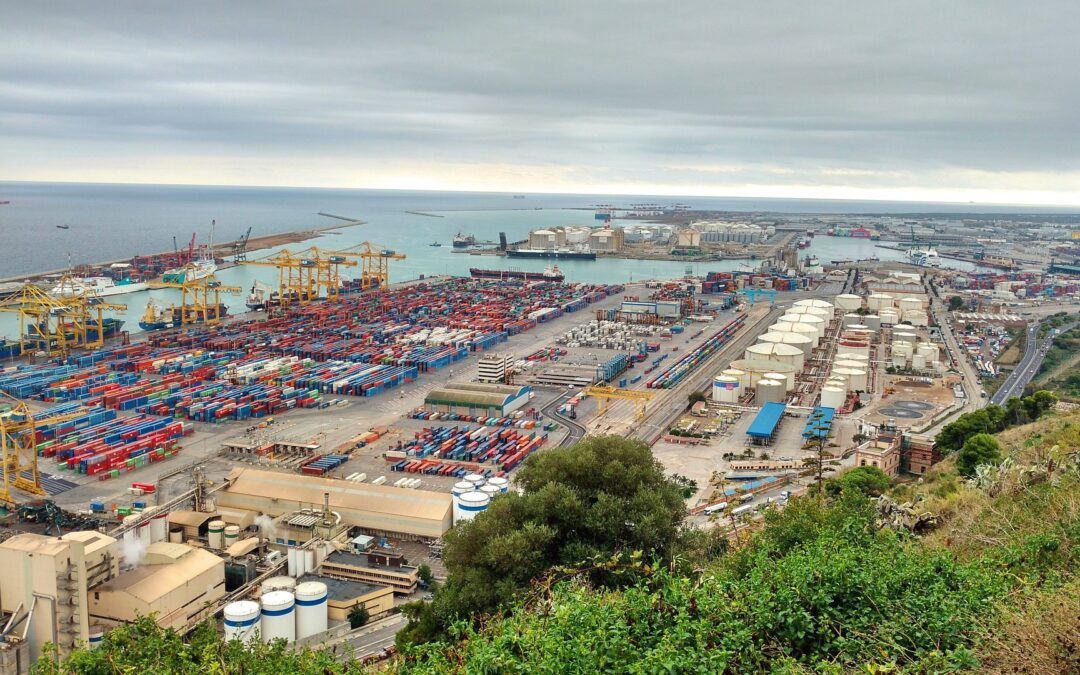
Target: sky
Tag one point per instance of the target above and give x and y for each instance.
(904, 100)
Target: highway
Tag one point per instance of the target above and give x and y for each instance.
(1034, 353)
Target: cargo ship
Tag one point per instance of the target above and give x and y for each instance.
(463, 240)
(564, 254)
(550, 273)
(160, 318)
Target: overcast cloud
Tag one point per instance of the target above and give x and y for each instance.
(952, 100)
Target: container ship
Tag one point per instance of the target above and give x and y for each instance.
(463, 240)
(564, 254)
(160, 318)
(550, 273)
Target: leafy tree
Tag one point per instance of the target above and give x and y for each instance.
(988, 420)
(979, 449)
(600, 496)
(358, 615)
(867, 480)
(1016, 412)
(424, 572)
(696, 396)
(955, 303)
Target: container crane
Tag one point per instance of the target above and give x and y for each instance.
(376, 269)
(239, 248)
(200, 299)
(305, 275)
(56, 325)
(18, 439)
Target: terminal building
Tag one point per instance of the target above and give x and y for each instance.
(495, 367)
(478, 398)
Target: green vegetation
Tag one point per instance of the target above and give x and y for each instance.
(358, 616)
(424, 572)
(866, 480)
(955, 303)
(697, 397)
(1054, 321)
(993, 419)
(1059, 372)
(978, 450)
(600, 497)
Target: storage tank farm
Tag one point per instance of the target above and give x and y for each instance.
(241, 620)
(278, 616)
(467, 505)
(726, 389)
(500, 482)
(311, 609)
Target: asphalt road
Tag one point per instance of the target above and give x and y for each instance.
(576, 431)
(1034, 353)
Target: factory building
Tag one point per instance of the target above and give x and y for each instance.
(470, 398)
(608, 239)
(377, 509)
(173, 581)
(343, 595)
(882, 452)
(374, 567)
(495, 367)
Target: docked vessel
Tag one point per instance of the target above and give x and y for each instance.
(550, 273)
(160, 318)
(923, 257)
(463, 240)
(558, 254)
(200, 269)
(101, 286)
(9, 348)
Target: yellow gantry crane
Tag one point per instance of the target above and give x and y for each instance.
(376, 269)
(604, 395)
(19, 443)
(56, 324)
(314, 273)
(200, 299)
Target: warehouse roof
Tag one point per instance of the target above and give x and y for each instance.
(379, 507)
(149, 583)
(447, 396)
(190, 518)
(492, 388)
(764, 425)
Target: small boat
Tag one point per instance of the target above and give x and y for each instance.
(435, 243)
(63, 227)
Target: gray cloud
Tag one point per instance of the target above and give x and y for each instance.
(903, 94)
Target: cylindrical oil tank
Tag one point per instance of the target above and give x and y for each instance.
(909, 304)
(733, 372)
(500, 482)
(889, 317)
(856, 377)
(776, 351)
(851, 356)
(309, 561)
(769, 391)
(852, 320)
(854, 347)
(899, 359)
(216, 534)
(900, 335)
(929, 350)
(812, 320)
(490, 490)
(918, 361)
(311, 609)
(241, 620)
(176, 535)
(879, 301)
(814, 302)
(461, 487)
(726, 389)
(277, 584)
(798, 329)
(779, 377)
(848, 302)
(466, 506)
(873, 322)
(833, 397)
(859, 328)
(278, 616)
(96, 636)
(756, 368)
(803, 342)
(232, 535)
(826, 314)
(475, 479)
(916, 317)
(848, 363)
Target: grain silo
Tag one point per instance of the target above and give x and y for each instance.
(466, 506)
(312, 608)
(278, 616)
(241, 620)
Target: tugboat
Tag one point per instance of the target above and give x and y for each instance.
(435, 243)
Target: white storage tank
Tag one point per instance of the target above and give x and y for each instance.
(726, 389)
(780, 377)
(733, 372)
(277, 584)
(815, 302)
(500, 482)
(803, 342)
(816, 322)
(491, 490)
(859, 347)
(176, 536)
(851, 356)
(826, 314)
(848, 363)
(889, 317)
(466, 506)
(899, 359)
(804, 329)
(856, 378)
(929, 350)
(755, 369)
(216, 534)
(475, 479)
(769, 391)
(278, 616)
(232, 535)
(95, 637)
(908, 335)
(241, 620)
(311, 609)
(159, 527)
(918, 361)
(833, 397)
(309, 561)
(879, 301)
(777, 351)
(461, 488)
(852, 320)
(873, 322)
(916, 317)
(848, 302)
(909, 305)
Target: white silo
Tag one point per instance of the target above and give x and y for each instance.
(873, 322)
(500, 482)
(918, 361)
(929, 350)
(461, 487)
(848, 363)
(490, 490)
(298, 556)
(176, 535)
(852, 346)
(899, 359)
(804, 329)
(475, 479)
(159, 527)
(879, 301)
(848, 302)
(733, 372)
(889, 317)
(909, 305)
(726, 389)
(803, 342)
(241, 620)
(215, 534)
(776, 351)
(309, 561)
(816, 322)
(311, 609)
(277, 584)
(756, 368)
(833, 397)
(779, 377)
(916, 317)
(851, 356)
(856, 378)
(278, 616)
(769, 391)
(852, 320)
(232, 535)
(466, 506)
